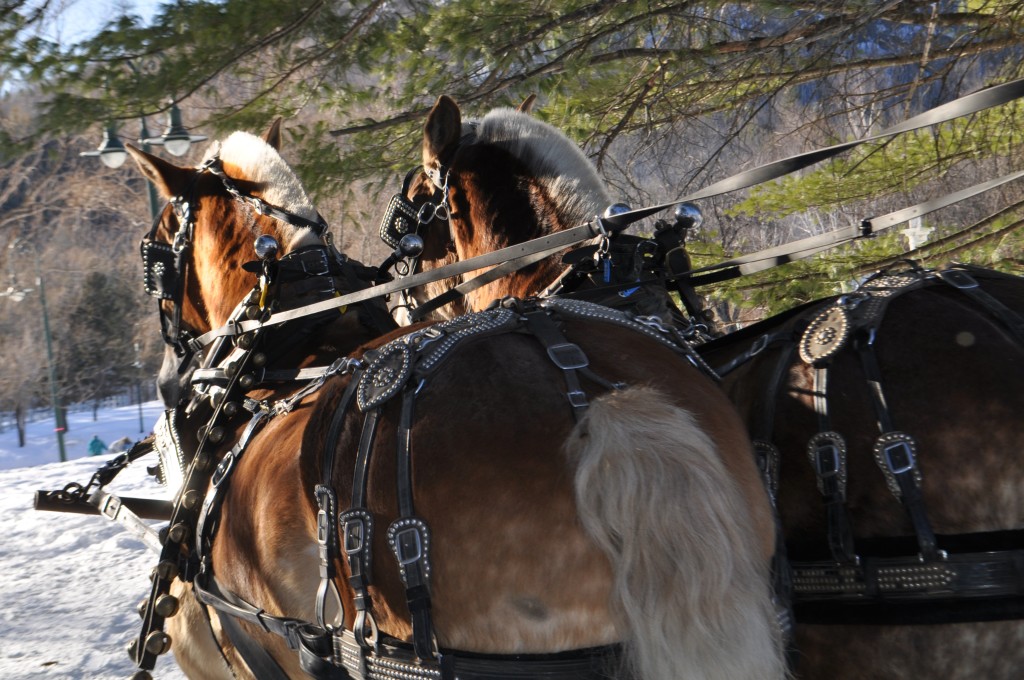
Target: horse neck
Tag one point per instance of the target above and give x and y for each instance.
(534, 186)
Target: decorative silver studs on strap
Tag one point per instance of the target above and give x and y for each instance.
(930, 576)
(581, 309)
(827, 453)
(454, 331)
(896, 454)
(387, 373)
(831, 579)
(409, 538)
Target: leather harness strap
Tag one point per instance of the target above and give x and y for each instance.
(827, 451)
(982, 580)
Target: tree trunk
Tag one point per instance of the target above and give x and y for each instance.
(19, 419)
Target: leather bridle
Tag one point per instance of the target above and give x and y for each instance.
(165, 264)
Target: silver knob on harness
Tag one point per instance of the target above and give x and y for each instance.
(266, 247)
(616, 209)
(688, 216)
(411, 245)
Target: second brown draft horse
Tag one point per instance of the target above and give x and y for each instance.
(888, 422)
(538, 490)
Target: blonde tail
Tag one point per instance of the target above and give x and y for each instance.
(691, 585)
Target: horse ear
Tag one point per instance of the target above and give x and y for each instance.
(441, 132)
(527, 105)
(169, 179)
(273, 134)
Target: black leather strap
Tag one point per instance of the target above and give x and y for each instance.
(959, 277)
(804, 248)
(565, 355)
(966, 105)
(409, 537)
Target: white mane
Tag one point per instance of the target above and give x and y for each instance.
(260, 162)
(567, 174)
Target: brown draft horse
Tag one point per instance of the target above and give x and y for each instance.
(950, 369)
(643, 524)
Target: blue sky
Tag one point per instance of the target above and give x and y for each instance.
(76, 20)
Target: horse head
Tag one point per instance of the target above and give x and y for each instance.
(237, 231)
(497, 181)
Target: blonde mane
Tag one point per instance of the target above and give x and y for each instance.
(259, 162)
(556, 161)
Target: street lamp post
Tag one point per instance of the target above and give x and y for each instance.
(111, 152)
(17, 295)
(60, 426)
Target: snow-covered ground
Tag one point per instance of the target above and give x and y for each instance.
(69, 583)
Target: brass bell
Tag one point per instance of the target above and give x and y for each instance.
(132, 648)
(259, 359)
(158, 642)
(166, 605)
(245, 341)
(217, 435)
(178, 532)
(230, 408)
(167, 570)
(252, 312)
(247, 381)
(142, 675)
(191, 499)
(202, 462)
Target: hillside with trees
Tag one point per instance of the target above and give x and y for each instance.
(666, 97)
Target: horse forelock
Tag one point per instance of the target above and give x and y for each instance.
(259, 162)
(557, 162)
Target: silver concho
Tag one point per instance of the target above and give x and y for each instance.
(385, 376)
(825, 335)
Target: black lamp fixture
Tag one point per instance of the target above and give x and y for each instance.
(111, 151)
(175, 138)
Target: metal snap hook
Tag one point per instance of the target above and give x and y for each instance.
(426, 213)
